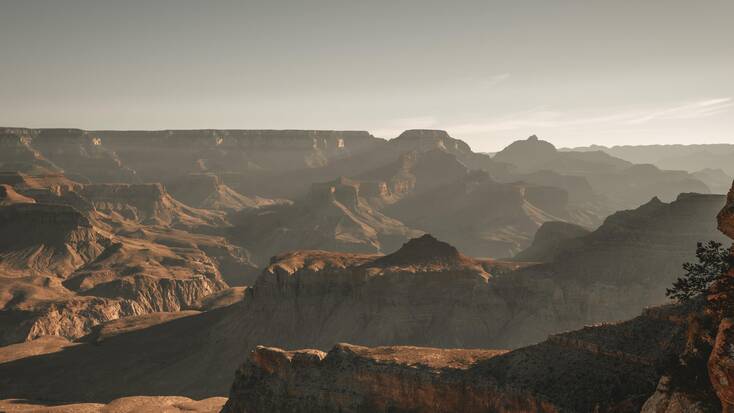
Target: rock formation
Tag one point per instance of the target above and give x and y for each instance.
(132, 404)
(72, 266)
(208, 192)
(81, 155)
(8, 196)
(426, 293)
(550, 240)
(716, 179)
(333, 216)
(148, 204)
(623, 184)
(605, 368)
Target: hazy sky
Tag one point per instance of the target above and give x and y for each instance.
(574, 72)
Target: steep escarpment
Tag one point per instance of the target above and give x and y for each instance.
(482, 217)
(157, 155)
(479, 215)
(82, 155)
(148, 204)
(17, 155)
(334, 216)
(88, 266)
(621, 183)
(550, 239)
(424, 294)
(48, 239)
(605, 368)
(8, 196)
(352, 378)
(207, 191)
(613, 272)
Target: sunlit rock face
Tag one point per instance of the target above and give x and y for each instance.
(721, 362)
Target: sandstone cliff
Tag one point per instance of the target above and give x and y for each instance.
(608, 368)
(333, 216)
(207, 191)
(148, 204)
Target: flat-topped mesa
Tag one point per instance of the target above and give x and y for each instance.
(422, 263)
(244, 138)
(82, 155)
(424, 251)
(427, 139)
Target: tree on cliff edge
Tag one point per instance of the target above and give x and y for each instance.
(713, 263)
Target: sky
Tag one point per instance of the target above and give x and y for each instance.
(489, 72)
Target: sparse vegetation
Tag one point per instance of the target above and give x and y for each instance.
(713, 262)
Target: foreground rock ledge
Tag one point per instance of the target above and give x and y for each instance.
(352, 378)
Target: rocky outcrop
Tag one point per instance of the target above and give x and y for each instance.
(479, 215)
(131, 404)
(148, 204)
(8, 196)
(384, 379)
(605, 368)
(81, 155)
(29, 313)
(208, 192)
(153, 294)
(667, 400)
(549, 241)
(17, 155)
(621, 183)
(721, 365)
(333, 216)
(72, 318)
(49, 239)
(726, 216)
(162, 155)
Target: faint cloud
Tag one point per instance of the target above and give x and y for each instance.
(538, 119)
(494, 80)
(691, 110)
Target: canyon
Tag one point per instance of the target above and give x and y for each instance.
(148, 265)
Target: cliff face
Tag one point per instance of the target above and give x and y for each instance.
(479, 215)
(157, 155)
(88, 266)
(726, 216)
(8, 196)
(607, 368)
(549, 241)
(17, 155)
(148, 204)
(207, 191)
(49, 239)
(353, 379)
(333, 216)
(81, 155)
(621, 183)
(721, 361)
